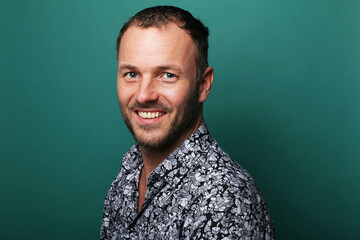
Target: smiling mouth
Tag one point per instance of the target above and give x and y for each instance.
(150, 115)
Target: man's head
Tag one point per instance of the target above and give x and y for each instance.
(160, 87)
(162, 15)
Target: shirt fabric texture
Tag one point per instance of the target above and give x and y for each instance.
(197, 192)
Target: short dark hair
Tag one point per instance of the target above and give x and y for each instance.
(161, 15)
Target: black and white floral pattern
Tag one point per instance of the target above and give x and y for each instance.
(197, 192)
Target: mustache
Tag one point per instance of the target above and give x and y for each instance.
(150, 105)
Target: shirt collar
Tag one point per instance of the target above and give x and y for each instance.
(172, 169)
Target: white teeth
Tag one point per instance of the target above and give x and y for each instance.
(150, 114)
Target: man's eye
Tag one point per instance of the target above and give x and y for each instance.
(131, 75)
(169, 75)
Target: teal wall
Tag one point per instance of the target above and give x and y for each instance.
(284, 104)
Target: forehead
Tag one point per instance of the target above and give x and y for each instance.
(168, 41)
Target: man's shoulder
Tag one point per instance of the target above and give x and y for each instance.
(226, 197)
(216, 162)
(217, 170)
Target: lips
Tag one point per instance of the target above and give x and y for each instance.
(150, 115)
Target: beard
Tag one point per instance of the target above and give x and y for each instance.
(182, 123)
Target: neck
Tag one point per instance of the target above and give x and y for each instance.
(153, 157)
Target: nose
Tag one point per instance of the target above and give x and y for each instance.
(147, 91)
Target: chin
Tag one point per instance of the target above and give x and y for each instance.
(151, 140)
(153, 145)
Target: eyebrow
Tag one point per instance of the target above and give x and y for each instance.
(126, 66)
(171, 66)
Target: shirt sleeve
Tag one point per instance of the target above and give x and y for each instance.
(106, 217)
(225, 214)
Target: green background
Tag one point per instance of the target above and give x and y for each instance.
(284, 104)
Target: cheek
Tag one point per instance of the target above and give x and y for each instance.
(177, 97)
(125, 94)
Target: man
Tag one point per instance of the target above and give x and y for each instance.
(175, 182)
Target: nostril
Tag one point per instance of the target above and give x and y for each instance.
(147, 94)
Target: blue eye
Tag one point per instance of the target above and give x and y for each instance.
(131, 75)
(169, 75)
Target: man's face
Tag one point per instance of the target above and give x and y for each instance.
(157, 88)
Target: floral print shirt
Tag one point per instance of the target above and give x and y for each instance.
(197, 192)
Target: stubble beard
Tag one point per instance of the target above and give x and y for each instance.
(180, 125)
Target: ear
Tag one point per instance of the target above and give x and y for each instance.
(205, 84)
